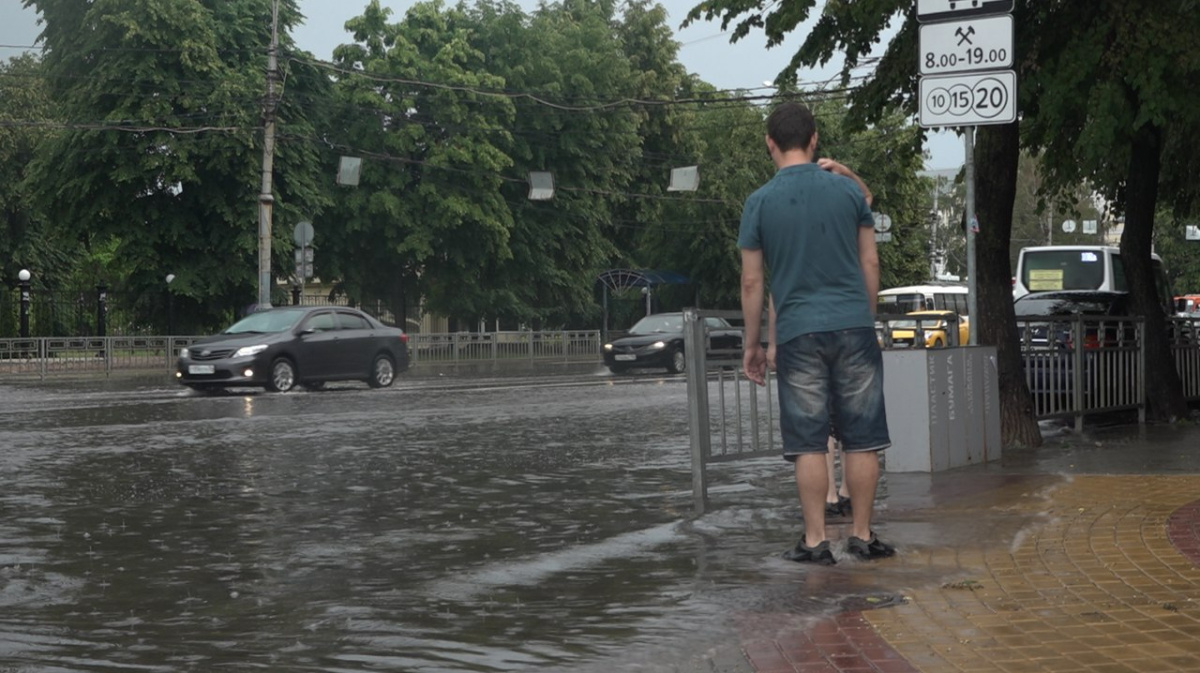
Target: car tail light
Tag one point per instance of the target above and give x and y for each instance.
(1091, 341)
(404, 337)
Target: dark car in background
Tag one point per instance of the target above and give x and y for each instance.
(656, 341)
(1057, 323)
(281, 348)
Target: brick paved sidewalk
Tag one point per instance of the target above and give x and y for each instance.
(1105, 579)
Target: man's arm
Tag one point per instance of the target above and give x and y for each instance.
(753, 275)
(840, 169)
(868, 258)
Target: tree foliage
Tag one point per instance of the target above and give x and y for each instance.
(159, 156)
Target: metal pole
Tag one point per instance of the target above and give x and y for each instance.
(265, 198)
(698, 421)
(101, 309)
(25, 301)
(972, 280)
(933, 222)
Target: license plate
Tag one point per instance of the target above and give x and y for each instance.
(624, 358)
(201, 369)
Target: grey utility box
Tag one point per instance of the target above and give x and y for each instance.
(943, 407)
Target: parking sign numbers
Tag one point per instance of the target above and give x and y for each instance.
(956, 100)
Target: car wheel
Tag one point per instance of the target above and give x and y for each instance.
(283, 376)
(678, 362)
(383, 372)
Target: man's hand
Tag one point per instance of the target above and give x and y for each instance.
(771, 357)
(754, 361)
(833, 166)
(840, 169)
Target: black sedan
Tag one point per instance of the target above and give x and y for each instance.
(281, 348)
(1058, 321)
(657, 341)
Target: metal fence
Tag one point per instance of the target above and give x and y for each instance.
(504, 346)
(729, 417)
(51, 356)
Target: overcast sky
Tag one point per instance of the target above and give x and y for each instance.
(705, 51)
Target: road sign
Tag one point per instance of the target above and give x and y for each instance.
(883, 237)
(1089, 226)
(303, 234)
(929, 11)
(1192, 233)
(1068, 226)
(304, 255)
(969, 44)
(968, 100)
(883, 223)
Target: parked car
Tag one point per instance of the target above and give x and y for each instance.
(281, 348)
(657, 341)
(933, 328)
(1049, 356)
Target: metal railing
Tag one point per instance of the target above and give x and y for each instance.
(725, 409)
(504, 346)
(729, 417)
(53, 356)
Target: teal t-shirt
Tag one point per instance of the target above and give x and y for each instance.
(806, 221)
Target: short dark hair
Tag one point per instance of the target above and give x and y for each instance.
(791, 126)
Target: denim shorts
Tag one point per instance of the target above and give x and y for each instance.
(831, 378)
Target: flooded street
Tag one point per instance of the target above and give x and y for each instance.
(445, 524)
(454, 522)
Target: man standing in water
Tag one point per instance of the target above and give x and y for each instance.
(811, 226)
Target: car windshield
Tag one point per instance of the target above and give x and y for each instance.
(1034, 305)
(1063, 270)
(654, 324)
(267, 322)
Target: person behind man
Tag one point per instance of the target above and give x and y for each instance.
(811, 226)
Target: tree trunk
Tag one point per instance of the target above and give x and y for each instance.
(1165, 399)
(997, 151)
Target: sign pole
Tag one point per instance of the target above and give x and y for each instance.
(972, 279)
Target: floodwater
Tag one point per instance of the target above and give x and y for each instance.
(446, 524)
(469, 523)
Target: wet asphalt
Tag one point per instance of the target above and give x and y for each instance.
(459, 521)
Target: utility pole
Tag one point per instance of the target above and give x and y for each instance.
(265, 198)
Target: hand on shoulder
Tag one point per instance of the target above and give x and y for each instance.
(833, 166)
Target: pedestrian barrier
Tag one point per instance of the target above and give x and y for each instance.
(729, 417)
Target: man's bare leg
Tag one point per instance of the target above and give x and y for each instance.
(812, 482)
(860, 470)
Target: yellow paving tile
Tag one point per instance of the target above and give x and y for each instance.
(1092, 584)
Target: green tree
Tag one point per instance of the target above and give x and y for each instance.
(428, 219)
(160, 159)
(26, 115)
(583, 130)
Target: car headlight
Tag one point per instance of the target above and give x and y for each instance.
(247, 351)
(607, 347)
(183, 352)
(658, 345)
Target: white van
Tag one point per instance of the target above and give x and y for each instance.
(1078, 267)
